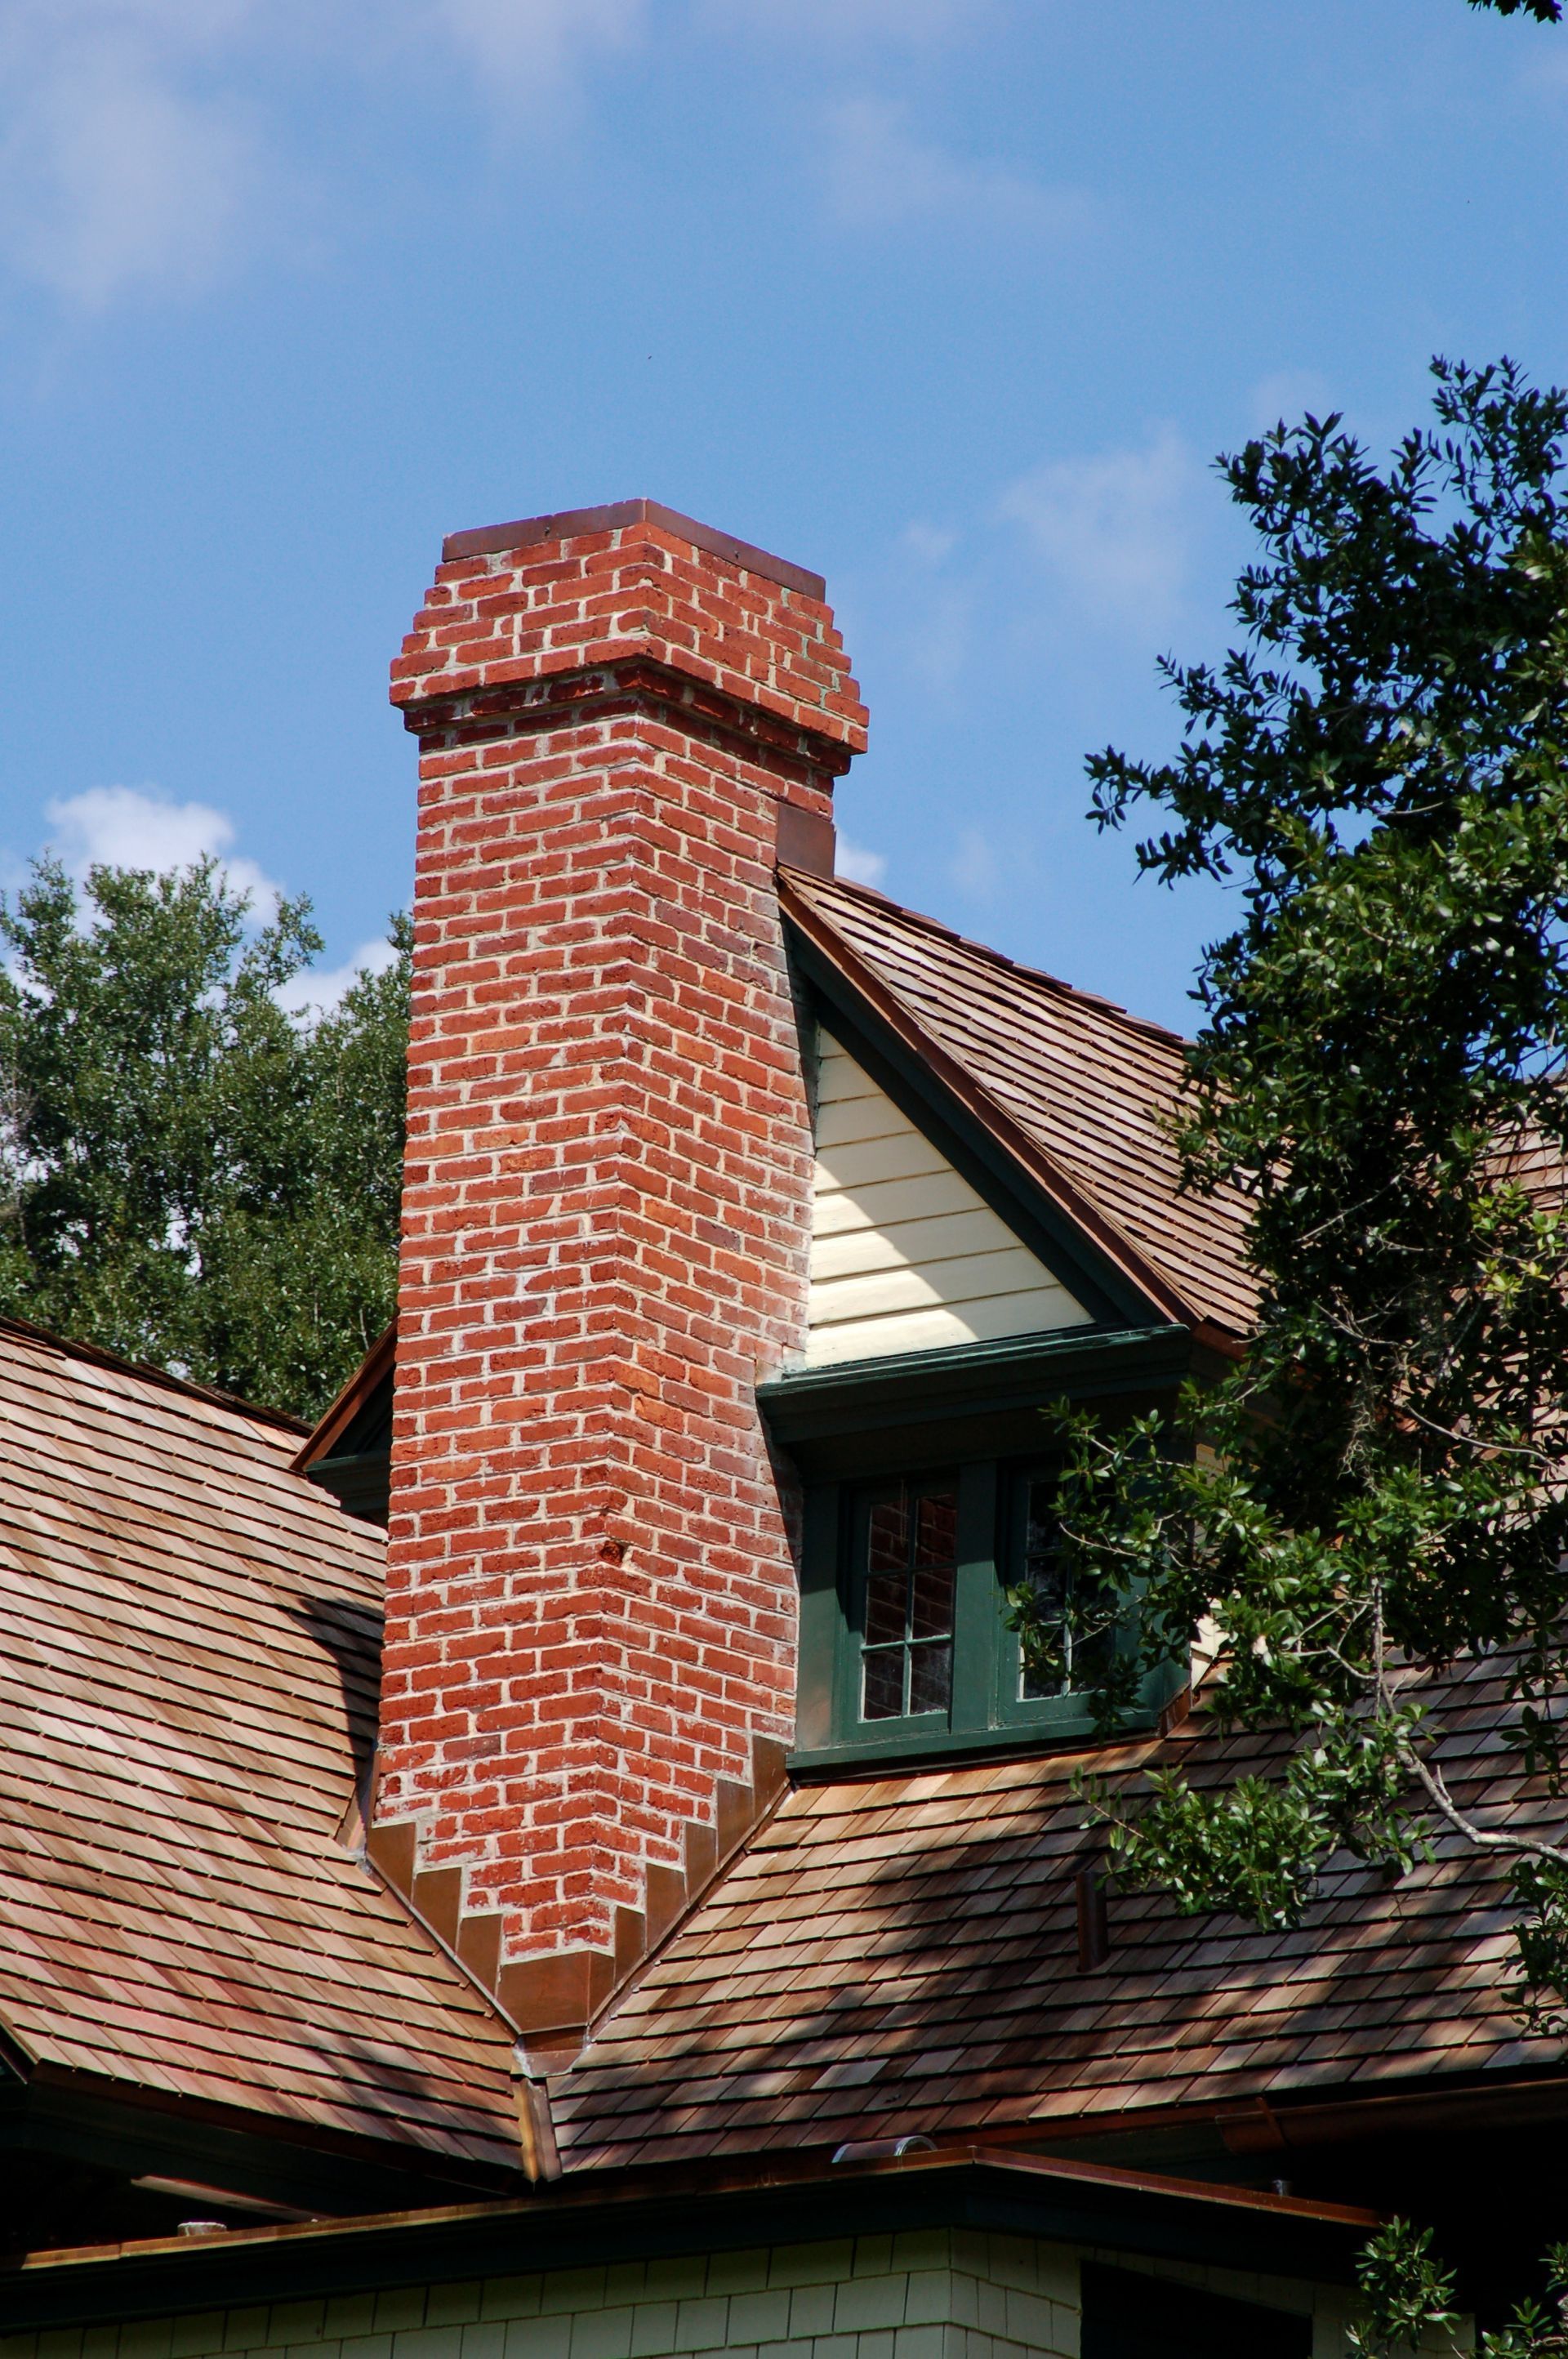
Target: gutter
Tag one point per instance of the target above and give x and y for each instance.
(1283, 2122)
(607, 2215)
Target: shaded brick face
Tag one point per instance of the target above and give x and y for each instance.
(591, 1605)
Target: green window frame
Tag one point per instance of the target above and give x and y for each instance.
(905, 1644)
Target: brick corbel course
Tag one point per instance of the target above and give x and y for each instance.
(589, 1664)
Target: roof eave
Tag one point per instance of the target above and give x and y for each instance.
(777, 2200)
(335, 1422)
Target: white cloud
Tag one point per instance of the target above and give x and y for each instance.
(879, 175)
(131, 155)
(118, 827)
(1288, 394)
(323, 987)
(538, 41)
(914, 23)
(142, 147)
(939, 634)
(858, 863)
(975, 869)
(1114, 530)
(112, 177)
(928, 545)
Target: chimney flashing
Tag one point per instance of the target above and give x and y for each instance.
(574, 524)
(588, 1679)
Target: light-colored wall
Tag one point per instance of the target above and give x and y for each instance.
(932, 2294)
(929, 2295)
(905, 1255)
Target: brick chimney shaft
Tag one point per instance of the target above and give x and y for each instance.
(590, 1658)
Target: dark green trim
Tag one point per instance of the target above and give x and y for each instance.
(986, 1715)
(1059, 1725)
(360, 1482)
(1109, 1295)
(822, 1765)
(974, 1618)
(820, 1615)
(599, 2216)
(1017, 1371)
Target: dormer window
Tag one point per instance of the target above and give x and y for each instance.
(950, 1304)
(907, 1549)
(907, 1648)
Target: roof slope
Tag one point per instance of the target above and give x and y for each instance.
(899, 1954)
(188, 1641)
(1086, 1081)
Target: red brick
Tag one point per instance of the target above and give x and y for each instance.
(591, 1596)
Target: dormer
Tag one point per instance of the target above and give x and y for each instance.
(991, 1234)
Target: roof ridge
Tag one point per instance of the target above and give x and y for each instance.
(96, 1355)
(984, 950)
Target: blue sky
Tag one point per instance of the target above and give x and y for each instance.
(952, 299)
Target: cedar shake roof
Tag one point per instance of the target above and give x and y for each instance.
(899, 1954)
(1084, 1082)
(189, 1643)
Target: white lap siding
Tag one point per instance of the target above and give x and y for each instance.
(905, 1256)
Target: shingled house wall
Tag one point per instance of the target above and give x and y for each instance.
(927, 2294)
(588, 1669)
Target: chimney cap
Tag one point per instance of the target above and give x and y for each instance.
(569, 524)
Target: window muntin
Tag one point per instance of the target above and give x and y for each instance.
(907, 1551)
(906, 1647)
(1038, 1567)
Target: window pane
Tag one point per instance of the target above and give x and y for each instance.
(1044, 1573)
(889, 1543)
(936, 1529)
(1032, 1685)
(1041, 1532)
(906, 1579)
(887, 1598)
(881, 1693)
(930, 1677)
(933, 1613)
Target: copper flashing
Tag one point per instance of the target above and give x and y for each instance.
(806, 839)
(575, 524)
(676, 2207)
(556, 1999)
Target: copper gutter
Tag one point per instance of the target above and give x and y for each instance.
(689, 2207)
(1261, 2126)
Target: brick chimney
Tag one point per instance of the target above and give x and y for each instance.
(623, 719)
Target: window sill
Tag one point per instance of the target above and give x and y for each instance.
(865, 1757)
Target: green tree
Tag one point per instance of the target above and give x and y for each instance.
(189, 1175)
(1545, 12)
(1374, 1496)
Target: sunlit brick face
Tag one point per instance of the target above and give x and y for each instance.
(590, 1606)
